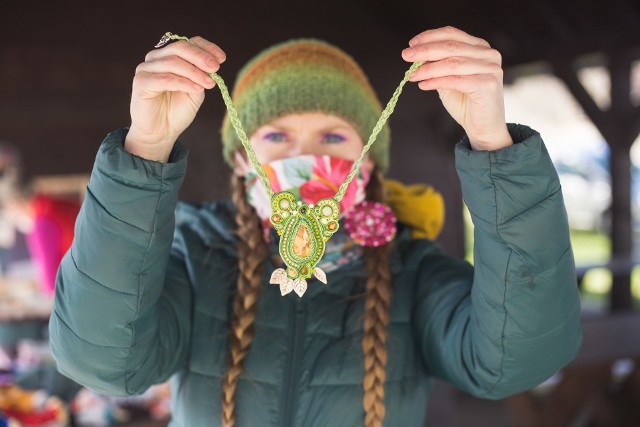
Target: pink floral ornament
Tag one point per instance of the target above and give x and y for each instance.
(371, 224)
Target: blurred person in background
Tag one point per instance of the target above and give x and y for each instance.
(46, 218)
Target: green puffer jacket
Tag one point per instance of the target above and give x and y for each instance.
(144, 295)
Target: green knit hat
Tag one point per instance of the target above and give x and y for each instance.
(305, 75)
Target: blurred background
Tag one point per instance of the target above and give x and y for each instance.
(572, 72)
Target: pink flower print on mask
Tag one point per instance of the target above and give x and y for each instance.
(327, 175)
(308, 177)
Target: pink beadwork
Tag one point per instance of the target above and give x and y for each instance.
(371, 224)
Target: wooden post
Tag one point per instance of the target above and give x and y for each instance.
(619, 125)
(620, 141)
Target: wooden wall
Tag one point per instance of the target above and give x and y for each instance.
(66, 70)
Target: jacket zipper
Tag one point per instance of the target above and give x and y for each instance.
(292, 377)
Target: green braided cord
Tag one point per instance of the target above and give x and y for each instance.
(391, 105)
(237, 125)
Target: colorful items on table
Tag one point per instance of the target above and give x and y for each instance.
(51, 236)
(31, 408)
(92, 409)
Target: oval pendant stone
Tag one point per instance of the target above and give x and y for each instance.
(303, 232)
(302, 242)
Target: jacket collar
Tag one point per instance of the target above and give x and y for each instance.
(215, 225)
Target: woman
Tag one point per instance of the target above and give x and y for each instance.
(46, 218)
(136, 303)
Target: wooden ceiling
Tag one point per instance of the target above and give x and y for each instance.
(524, 31)
(528, 31)
(66, 66)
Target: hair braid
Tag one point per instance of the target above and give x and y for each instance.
(376, 319)
(251, 253)
(252, 250)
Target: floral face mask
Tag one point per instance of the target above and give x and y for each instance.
(310, 178)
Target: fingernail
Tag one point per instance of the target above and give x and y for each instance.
(408, 53)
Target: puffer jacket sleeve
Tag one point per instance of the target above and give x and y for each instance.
(121, 316)
(512, 320)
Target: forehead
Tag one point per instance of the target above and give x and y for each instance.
(310, 121)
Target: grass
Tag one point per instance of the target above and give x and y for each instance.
(593, 247)
(590, 247)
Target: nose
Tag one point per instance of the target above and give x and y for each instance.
(305, 145)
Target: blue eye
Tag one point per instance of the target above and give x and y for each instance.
(275, 137)
(333, 138)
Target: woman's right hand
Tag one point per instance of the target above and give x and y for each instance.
(168, 90)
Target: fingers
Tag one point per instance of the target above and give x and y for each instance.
(455, 65)
(164, 82)
(212, 48)
(453, 60)
(447, 33)
(441, 49)
(463, 84)
(201, 53)
(178, 67)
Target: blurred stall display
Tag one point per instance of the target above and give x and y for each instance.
(90, 409)
(32, 354)
(43, 209)
(61, 185)
(156, 401)
(21, 299)
(32, 408)
(30, 382)
(94, 410)
(51, 234)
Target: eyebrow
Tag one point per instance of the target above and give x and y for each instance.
(322, 130)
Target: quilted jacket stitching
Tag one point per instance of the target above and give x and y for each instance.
(84, 340)
(139, 274)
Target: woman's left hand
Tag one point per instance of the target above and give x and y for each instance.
(467, 74)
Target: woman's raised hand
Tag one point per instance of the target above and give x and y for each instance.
(168, 90)
(467, 73)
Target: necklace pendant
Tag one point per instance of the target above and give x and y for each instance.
(303, 230)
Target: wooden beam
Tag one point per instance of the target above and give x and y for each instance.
(620, 71)
(634, 128)
(621, 123)
(525, 55)
(614, 125)
(620, 140)
(563, 68)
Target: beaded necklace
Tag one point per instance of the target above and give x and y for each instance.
(303, 228)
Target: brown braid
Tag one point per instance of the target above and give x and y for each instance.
(252, 250)
(376, 319)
